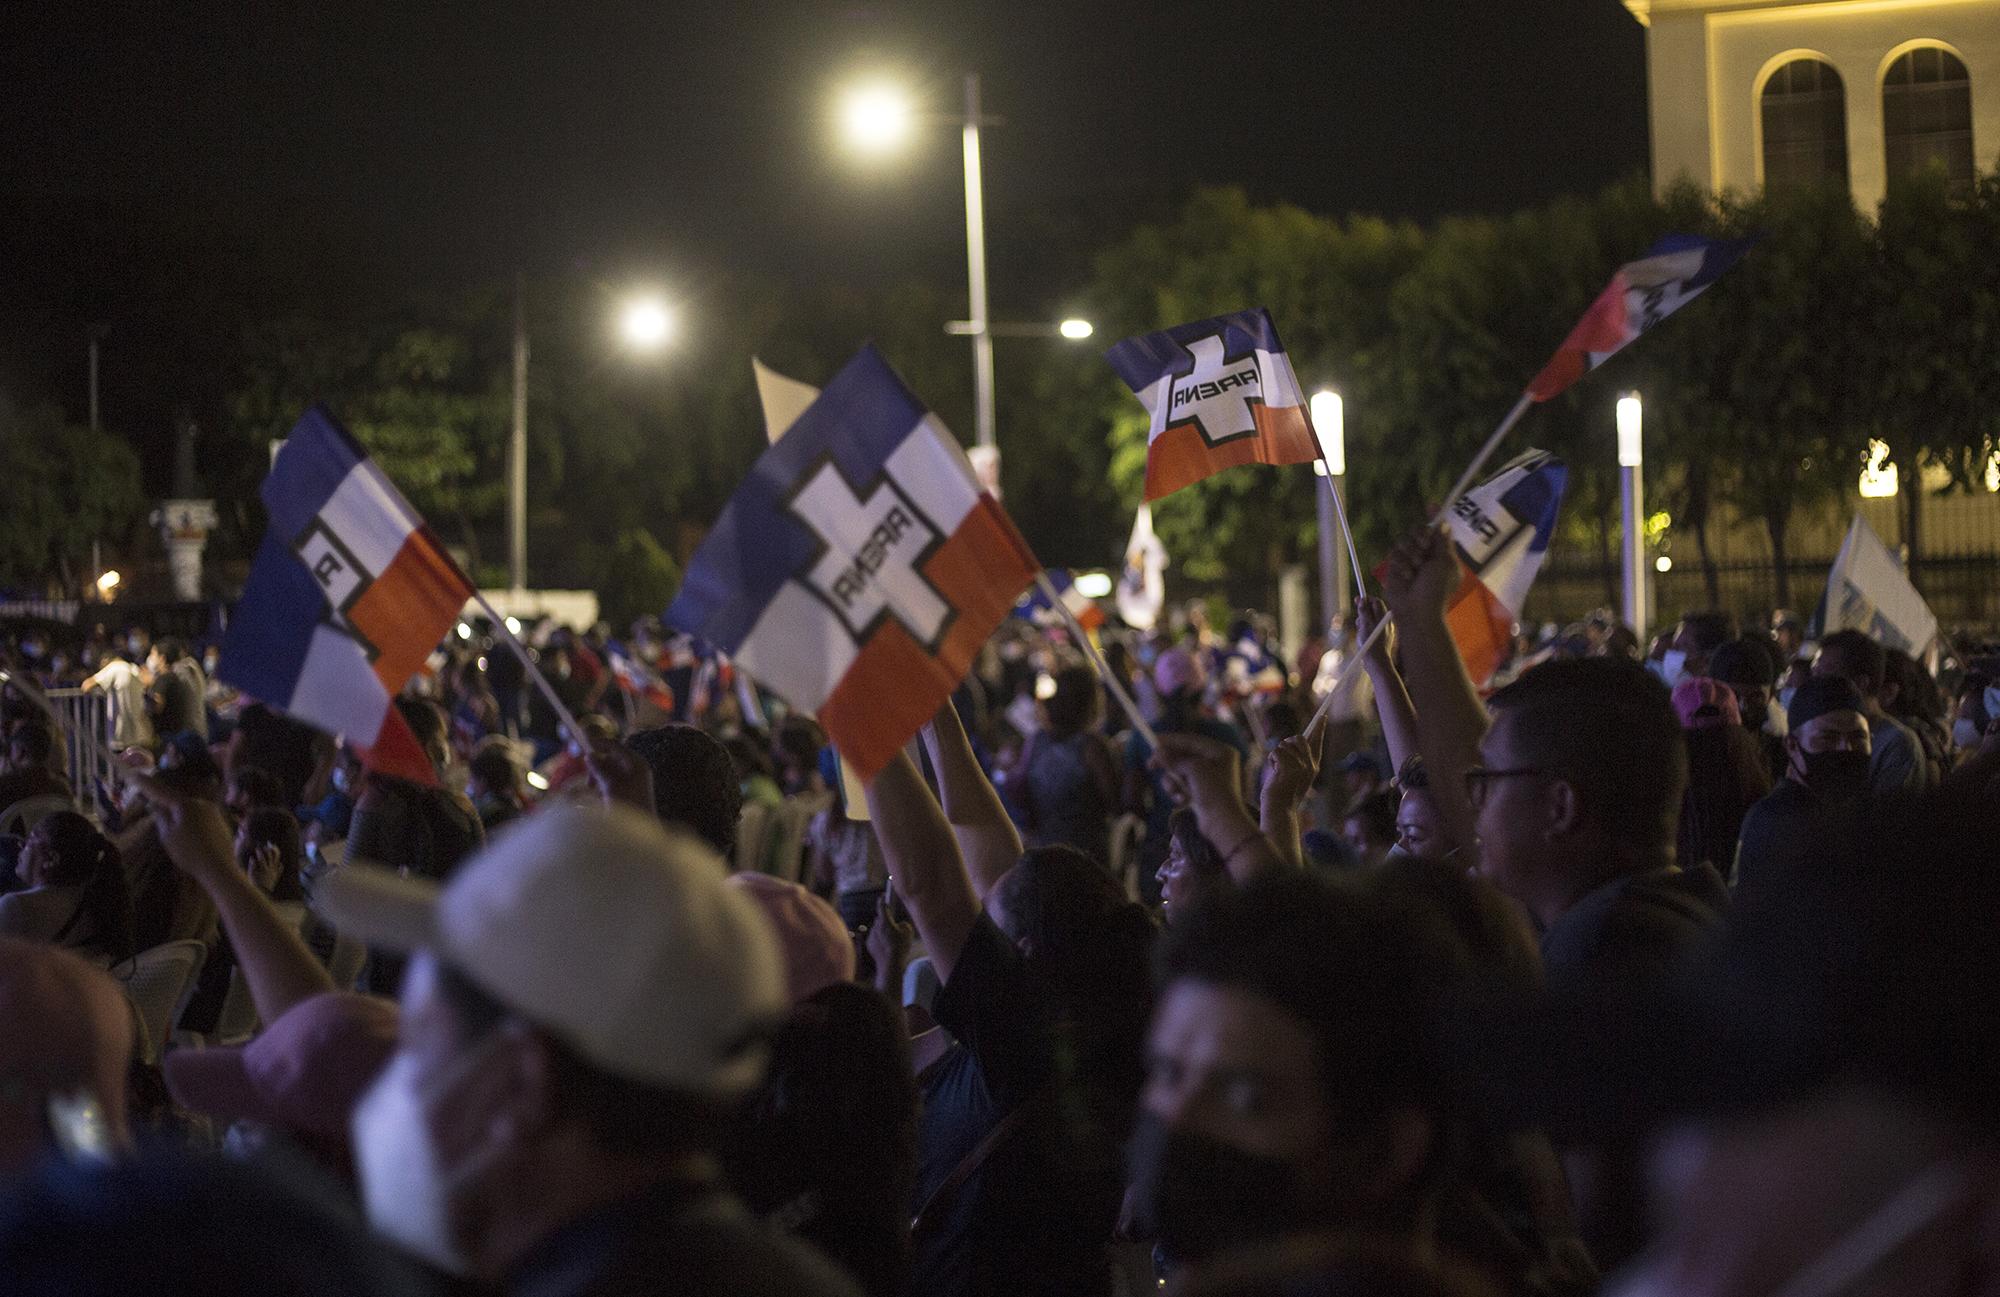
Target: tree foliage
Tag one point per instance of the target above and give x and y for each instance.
(62, 486)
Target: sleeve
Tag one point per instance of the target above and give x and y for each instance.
(997, 1008)
(1899, 763)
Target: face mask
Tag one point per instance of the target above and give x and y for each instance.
(1673, 667)
(1197, 1197)
(402, 1186)
(1965, 733)
(1836, 776)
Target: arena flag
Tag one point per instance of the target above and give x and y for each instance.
(859, 567)
(1220, 393)
(1037, 605)
(1641, 294)
(1869, 591)
(1501, 531)
(349, 595)
(1142, 583)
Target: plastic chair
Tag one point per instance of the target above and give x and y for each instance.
(25, 814)
(159, 986)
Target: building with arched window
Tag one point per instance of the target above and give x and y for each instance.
(1748, 93)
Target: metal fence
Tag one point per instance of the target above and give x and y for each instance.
(82, 714)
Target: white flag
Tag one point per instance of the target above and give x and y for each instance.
(1868, 591)
(784, 399)
(1142, 585)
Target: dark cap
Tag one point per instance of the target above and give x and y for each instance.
(1820, 695)
(1744, 663)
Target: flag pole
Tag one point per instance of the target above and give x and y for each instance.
(534, 672)
(1346, 531)
(1104, 671)
(1463, 484)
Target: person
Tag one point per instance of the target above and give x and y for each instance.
(1896, 757)
(496, 783)
(1789, 633)
(1752, 675)
(124, 686)
(175, 698)
(1044, 988)
(1288, 1091)
(1911, 698)
(1180, 679)
(1695, 639)
(270, 740)
(77, 895)
(1369, 826)
(1974, 711)
(251, 788)
(67, 1038)
(694, 783)
(1827, 762)
(1420, 828)
(31, 746)
(1726, 772)
(1064, 786)
(587, 1008)
(425, 831)
(1193, 868)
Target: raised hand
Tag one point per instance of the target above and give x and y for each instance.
(1293, 765)
(1421, 574)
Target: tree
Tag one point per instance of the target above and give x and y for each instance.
(639, 580)
(62, 486)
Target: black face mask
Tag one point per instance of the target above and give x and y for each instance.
(1196, 1197)
(1836, 776)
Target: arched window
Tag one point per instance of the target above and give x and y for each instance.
(1927, 114)
(1805, 125)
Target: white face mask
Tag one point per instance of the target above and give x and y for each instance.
(402, 1186)
(1673, 667)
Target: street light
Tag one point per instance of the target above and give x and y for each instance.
(876, 118)
(1076, 330)
(1329, 421)
(646, 324)
(1631, 457)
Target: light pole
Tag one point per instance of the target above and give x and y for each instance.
(1632, 556)
(1329, 420)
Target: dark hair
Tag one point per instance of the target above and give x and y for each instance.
(1710, 630)
(1076, 699)
(748, 757)
(623, 1117)
(86, 859)
(496, 768)
(1917, 695)
(170, 649)
(195, 774)
(1726, 777)
(799, 739)
(39, 740)
(1858, 658)
(425, 718)
(260, 787)
(1377, 813)
(694, 782)
(274, 827)
(1203, 856)
(1608, 728)
(1743, 662)
(1413, 776)
(278, 744)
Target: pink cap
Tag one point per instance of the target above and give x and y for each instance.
(1705, 704)
(305, 1072)
(816, 948)
(1178, 669)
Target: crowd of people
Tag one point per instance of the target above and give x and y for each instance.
(1644, 968)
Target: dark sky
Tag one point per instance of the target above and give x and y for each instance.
(367, 147)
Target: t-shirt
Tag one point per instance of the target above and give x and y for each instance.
(1779, 833)
(1896, 758)
(676, 1238)
(1037, 1214)
(126, 690)
(1633, 928)
(177, 704)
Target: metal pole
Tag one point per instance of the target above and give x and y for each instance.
(1633, 558)
(975, 272)
(517, 450)
(1332, 577)
(1342, 594)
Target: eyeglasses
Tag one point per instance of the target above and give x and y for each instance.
(1479, 779)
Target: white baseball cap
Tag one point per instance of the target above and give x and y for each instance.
(603, 927)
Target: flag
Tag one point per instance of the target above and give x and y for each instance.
(1641, 294)
(1868, 591)
(1142, 583)
(859, 567)
(349, 594)
(1500, 530)
(784, 399)
(1035, 605)
(1220, 392)
(638, 678)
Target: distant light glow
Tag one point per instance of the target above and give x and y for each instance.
(1329, 420)
(1879, 478)
(1663, 564)
(875, 118)
(1045, 687)
(647, 324)
(538, 781)
(513, 625)
(464, 631)
(1093, 585)
(1993, 472)
(1075, 329)
(1631, 447)
(108, 582)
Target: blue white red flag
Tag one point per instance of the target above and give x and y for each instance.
(1220, 392)
(1641, 294)
(349, 595)
(1501, 531)
(637, 678)
(1035, 606)
(859, 567)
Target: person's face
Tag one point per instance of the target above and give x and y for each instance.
(1232, 1066)
(1419, 829)
(1753, 702)
(1354, 831)
(1176, 876)
(1833, 732)
(1512, 812)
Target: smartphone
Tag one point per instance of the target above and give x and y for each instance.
(79, 1128)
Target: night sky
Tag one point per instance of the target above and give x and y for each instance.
(175, 162)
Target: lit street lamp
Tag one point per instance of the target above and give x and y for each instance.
(646, 324)
(1631, 457)
(1329, 421)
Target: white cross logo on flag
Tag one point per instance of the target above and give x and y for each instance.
(872, 549)
(1217, 394)
(339, 574)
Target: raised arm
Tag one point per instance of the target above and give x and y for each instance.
(986, 835)
(1392, 700)
(1291, 769)
(1418, 582)
(1203, 774)
(923, 858)
(277, 966)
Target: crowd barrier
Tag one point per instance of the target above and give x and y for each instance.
(82, 714)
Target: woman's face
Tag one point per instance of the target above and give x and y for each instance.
(1418, 829)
